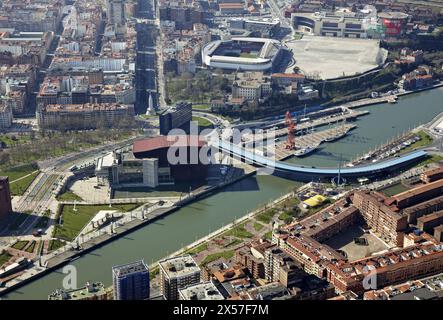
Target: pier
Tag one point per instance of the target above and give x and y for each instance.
(370, 101)
(349, 115)
(312, 139)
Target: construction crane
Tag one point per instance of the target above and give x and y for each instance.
(290, 124)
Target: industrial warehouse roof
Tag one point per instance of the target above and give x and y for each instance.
(161, 142)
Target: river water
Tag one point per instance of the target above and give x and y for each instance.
(184, 226)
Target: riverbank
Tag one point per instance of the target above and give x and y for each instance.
(198, 219)
(227, 227)
(388, 98)
(67, 255)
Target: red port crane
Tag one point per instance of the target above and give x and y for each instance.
(290, 124)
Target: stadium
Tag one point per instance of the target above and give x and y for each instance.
(242, 53)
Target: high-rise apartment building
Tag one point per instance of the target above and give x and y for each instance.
(131, 281)
(177, 117)
(177, 273)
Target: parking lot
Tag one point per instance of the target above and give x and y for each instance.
(329, 57)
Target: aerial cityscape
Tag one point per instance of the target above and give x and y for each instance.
(228, 150)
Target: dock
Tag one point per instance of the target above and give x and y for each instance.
(346, 116)
(370, 101)
(312, 139)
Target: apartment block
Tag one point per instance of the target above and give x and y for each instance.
(381, 218)
(82, 116)
(5, 116)
(178, 273)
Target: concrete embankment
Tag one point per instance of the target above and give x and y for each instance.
(69, 255)
(227, 227)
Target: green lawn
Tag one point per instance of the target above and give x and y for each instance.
(74, 221)
(258, 226)
(12, 140)
(215, 256)
(429, 160)
(266, 216)
(394, 189)
(201, 106)
(46, 145)
(54, 244)
(68, 196)
(198, 249)
(424, 141)
(19, 245)
(19, 172)
(202, 122)
(19, 187)
(4, 257)
(285, 215)
(268, 235)
(31, 248)
(233, 243)
(239, 232)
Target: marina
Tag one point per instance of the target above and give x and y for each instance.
(345, 115)
(308, 143)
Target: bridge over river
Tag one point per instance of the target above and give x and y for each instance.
(309, 173)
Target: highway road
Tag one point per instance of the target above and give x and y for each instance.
(214, 119)
(39, 196)
(161, 80)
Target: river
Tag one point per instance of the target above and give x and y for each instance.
(184, 226)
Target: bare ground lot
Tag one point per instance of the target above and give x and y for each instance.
(345, 241)
(329, 57)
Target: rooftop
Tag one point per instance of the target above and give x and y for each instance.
(391, 259)
(87, 107)
(133, 267)
(88, 291)
(201, 291)
(161, 142)
(179, 266)
(427, 288)
(418, 191)
(430, 217)
(434, 171)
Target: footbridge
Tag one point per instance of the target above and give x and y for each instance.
(372, 169)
